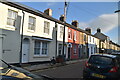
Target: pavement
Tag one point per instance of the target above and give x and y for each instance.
(48, 65)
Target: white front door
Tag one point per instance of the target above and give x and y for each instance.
(25, 51)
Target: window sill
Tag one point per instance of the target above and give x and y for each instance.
(11, 27)
(61, 37)
(32, 31)
(75, 40)
(45, 56)
(45, 33)
(70, 38)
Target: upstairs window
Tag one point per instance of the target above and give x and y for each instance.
(46, 27)
(61, 31)
(108, 39)
(84, 37)
(31, 23)
(70, 34)
(75, 35)
(12, 16)
(102, 45)
(90, 38)
(93, 40)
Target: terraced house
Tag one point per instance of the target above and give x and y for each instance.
(93, 43)
(29, 35)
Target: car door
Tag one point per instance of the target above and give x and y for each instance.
(117, 63)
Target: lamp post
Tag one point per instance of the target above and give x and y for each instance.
(56, 39)
(65, 8)
(118, 11)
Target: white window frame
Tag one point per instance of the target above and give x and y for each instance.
(93, 40)
(11, 18)
(90, 38)
(95, 50)
(41, 49)
(44, 48)
(61, 31)
(84, 37)
(46, 27)
(69, 34)
(60, 49)
(91, 50)
(75, 49)
(38, 42)
(32, 25)
(75, 35)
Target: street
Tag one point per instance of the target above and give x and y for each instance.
(71, 71)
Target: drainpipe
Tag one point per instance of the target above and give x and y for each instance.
(1, 45)
(56, 39)
(20, 63)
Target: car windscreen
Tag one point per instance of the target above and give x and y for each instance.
(100, 60)
(2, 64)
(3, 67)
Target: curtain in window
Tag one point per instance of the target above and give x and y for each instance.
(46, 27)
(60, 49)
(44, 48)
(12, 15)
(31, 24)
(37, 48)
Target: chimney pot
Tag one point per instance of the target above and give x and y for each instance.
(62, 18)
(88, 30)
(99, 30)
(48, 12)
(75, 23)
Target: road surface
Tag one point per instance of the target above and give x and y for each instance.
(71, 71)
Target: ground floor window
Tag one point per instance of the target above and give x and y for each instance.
(75, 49)
(44, 48)
(40, 48)
(84, 49)
(60, 49)
(94, 50)
(91, 50)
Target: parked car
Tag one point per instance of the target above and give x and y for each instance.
(9, 72)
(102, 66)
(117, 54)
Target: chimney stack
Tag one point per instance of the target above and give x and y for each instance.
(75, 23)
(88, 30)
(48, 12)
(98, 30)
(62, 18)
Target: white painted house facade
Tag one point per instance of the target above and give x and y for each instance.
(60, 29)
(29, 35)
(38, 30)
(91, 45)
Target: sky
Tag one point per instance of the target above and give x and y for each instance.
(89, 14)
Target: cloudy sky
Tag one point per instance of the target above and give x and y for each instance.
(89, 14)
(106, 22)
